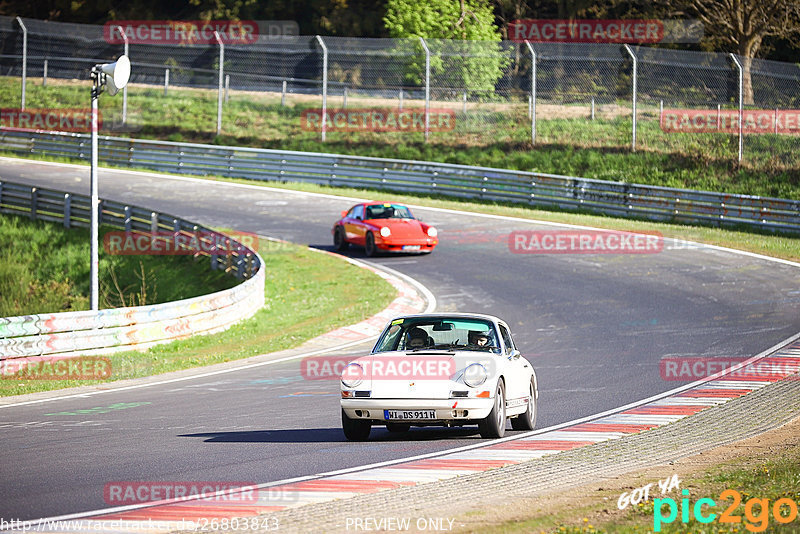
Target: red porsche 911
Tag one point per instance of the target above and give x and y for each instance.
(383, 227)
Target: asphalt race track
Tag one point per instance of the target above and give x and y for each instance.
(594, 326)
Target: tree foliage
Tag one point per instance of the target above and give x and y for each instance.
(474, 61)
(741, 26)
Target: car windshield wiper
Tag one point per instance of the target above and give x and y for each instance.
(434, 347)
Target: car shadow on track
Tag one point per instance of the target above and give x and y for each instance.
(359, 254)
(334, 435)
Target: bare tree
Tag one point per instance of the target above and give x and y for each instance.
(743, 25)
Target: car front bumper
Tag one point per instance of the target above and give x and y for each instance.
(396, 245)
(447, 410)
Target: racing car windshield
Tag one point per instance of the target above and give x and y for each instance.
(388, 211)
(444, 333)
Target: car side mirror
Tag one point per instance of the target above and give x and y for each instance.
(515, 354)
(344, 213)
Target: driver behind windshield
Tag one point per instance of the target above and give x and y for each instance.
(477, 338)
(416, 338)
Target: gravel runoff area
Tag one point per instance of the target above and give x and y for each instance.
(743, 417)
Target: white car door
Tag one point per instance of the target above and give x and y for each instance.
(519, 370)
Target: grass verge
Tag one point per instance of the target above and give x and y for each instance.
(44, 268)
(307, 294)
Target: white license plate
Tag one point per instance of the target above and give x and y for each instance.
(409, 414)
(411, 247)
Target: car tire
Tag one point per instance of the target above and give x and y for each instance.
(398, 427)
(355, 429)
(369, 245)
(494, 425)
(527, 420)
(339, 241)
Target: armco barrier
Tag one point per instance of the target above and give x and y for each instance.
(477, 183)
(86, 332)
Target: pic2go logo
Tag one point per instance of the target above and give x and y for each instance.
(756, 511)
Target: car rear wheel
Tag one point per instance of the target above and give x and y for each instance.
(398, 427)
(355, 429)
(527, 420)
(494, 425)
(339, 242)
(369, 245)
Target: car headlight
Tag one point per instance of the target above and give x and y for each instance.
(432, 232)
(475, 375)
(352, 375)
(385, 232)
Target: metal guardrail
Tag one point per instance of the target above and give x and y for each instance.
(476, 183)
(87, 332)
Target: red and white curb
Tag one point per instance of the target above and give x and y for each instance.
(779, 362)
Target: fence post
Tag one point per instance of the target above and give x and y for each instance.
(427, 86)
(24, 59)
(400, 96)
(465, 103)
(533, 91)
(44, 74)
(67, 209)
(324, 85)
(166, 81)
(34, 202)
(283, 94)
(592, 108)
(633, 99)
(741, 104)
(153, 228)
(124, 89)
(219, 81)
(227, 86)
(344, 97)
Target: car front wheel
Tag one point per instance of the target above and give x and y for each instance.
(369, 245)
(527, 420)
(339, 242)
(355, 429)
(494, 425)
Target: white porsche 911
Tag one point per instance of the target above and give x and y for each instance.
(450, 369)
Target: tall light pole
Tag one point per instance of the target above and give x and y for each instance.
(113, 77)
